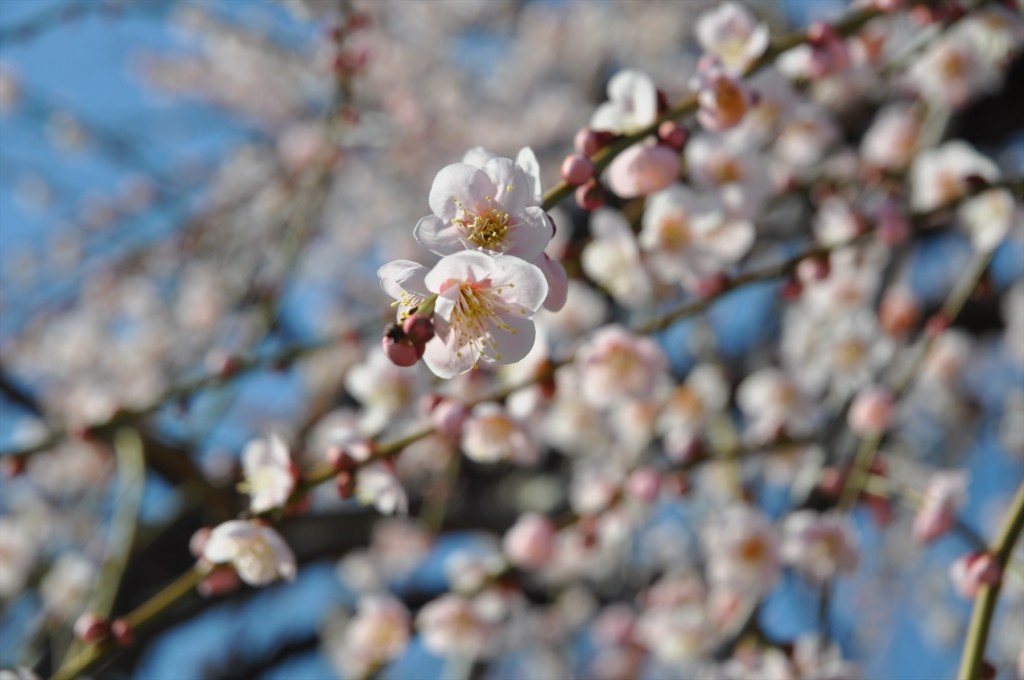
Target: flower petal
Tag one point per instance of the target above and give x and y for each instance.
(529, 288)
(439, 236)
(459, 183)
(403, 276)
(511, 343)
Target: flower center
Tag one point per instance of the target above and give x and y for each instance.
(256, 558)
(487, 230)
(476, 312)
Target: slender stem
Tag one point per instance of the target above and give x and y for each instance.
(93, 655)
(988, 596)
(868, 448)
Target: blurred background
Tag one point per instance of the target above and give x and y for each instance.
(194, 199)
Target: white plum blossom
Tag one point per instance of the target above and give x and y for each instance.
(690, 237)
(257, 552)
(491, 434)
(376, 635)
(732, 34)
(739, 174)
(632, 104)
(688, 408)
(742, 551)
(939, 176)
(453, 625)
(722, 99)
(19, 549)
(377, 485)
(989, 217)
(66, 586)
(491, 208)
(616, 365)
(612, 259)
(383, 389)
(892, 139)
(269, 473)
(483, 308)
(771, 399)
(819, 545)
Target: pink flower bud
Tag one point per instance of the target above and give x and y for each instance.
(340, 459)
(530, 542)
(577, 169)
(91, 628)
(673, 135)
(401, 352)
(641, 170)
(590, 196)
(871, 412)
(123, 632)
(220, 581)
(644, 484)
(418, 329)
(899, 312)
(812, 269)
(588, 142)
(971, 572)
(711, 286)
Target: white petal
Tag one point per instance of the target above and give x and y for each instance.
(513, 187)
(439, 236)
(223, 543)
(511, 344)
(403, 276)
(467, 265)
(459, 183)
(447, 361)
(529, 288)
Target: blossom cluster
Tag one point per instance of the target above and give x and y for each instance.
(765, 371)
(490, 232)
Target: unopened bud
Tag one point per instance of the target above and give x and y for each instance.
(590, 196)
(123, 632)
(588, 142)
(577, 169)
(91, 628)
(418, 329)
